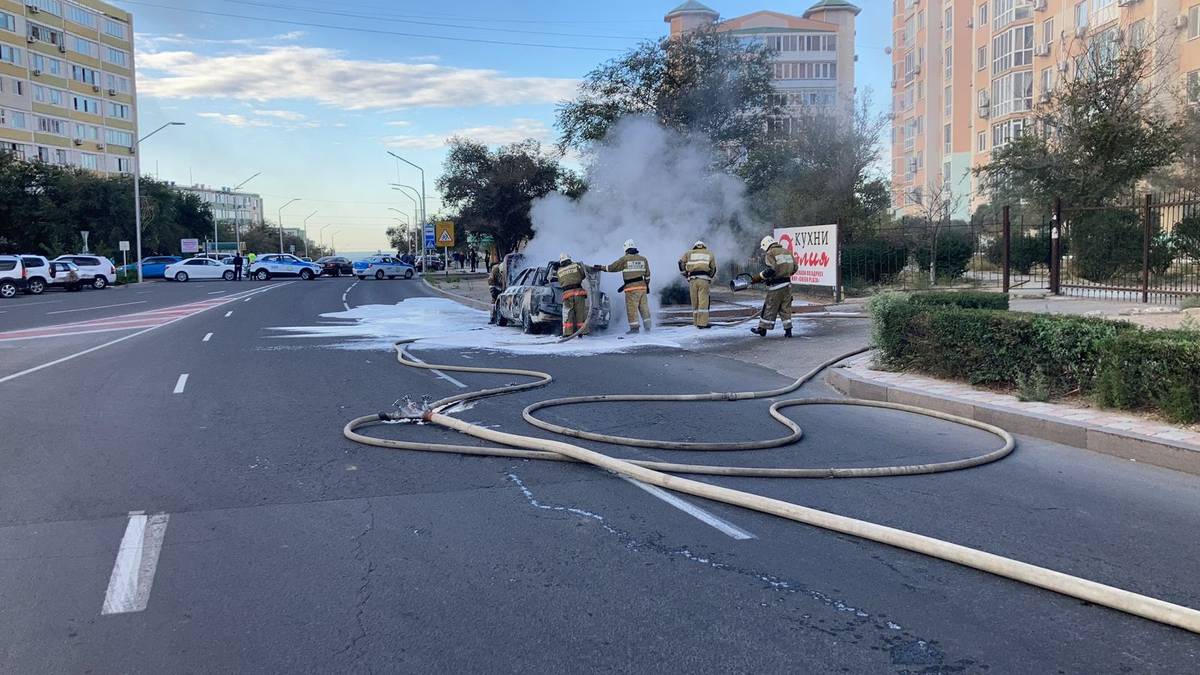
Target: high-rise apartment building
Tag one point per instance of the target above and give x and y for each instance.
(67, 89)
(967, 75)
(813, 63)
(244, 209)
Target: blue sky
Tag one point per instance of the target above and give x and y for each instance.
(315, 108)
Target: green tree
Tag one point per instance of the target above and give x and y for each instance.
(703, 82)
(1099, 135)
(491, 191)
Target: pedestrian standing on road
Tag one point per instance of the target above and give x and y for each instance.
(497, 281)
(474, 259)
(699, 267)
(779, 266)
(635, 272)
(251, 257)
(237, 266)
(574, 297)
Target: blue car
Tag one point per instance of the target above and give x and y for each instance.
(283, 265)
(380, 266)
(152, 267)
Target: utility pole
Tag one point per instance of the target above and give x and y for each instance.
(137, 190)
(306, 233)
(281, 222)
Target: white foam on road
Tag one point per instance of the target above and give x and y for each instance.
(445, 324)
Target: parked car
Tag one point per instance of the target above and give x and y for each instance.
(283, 265)
(12, 276)
(430, 262)
(199, 268)
(99, 269)
(533, 298)
(335, 265)
(380, 266)
(152, 267)
(43, 274)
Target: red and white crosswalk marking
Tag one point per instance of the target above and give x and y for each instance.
(140, 320)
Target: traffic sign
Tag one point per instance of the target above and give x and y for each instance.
(430, 241)
(445, 233)
(123, 245)
(189, 245)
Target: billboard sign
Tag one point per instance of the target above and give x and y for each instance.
(816, 251)
(189, 245)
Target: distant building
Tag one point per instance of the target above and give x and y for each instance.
(813, 64)
(67, 86)
(243, 208)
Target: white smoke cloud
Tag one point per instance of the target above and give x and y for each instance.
(654, 186)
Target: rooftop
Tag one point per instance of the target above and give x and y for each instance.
(693, 6)
(834, 4)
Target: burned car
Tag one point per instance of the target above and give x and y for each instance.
(533, 298)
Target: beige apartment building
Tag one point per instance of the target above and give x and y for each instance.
(67, 89)
(967, 74)
(813, 64)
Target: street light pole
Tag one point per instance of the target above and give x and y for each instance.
(281, 222)
(418, 230)
(137, 190)
(423, 214)
(332, 238)
(323, 228)
(306, 233)
(407, 224)
(237, 223)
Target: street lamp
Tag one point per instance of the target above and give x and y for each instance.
(237, 222)
(281, 222)
(408, 226)
(323, 228)
(332, 237)
(397, 186)
(423, 216)
(306, 233)
(137, 189)
(239, 185)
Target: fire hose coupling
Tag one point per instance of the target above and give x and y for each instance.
(407, 409)
(741, 282)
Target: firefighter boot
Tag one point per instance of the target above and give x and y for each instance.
(787, 332)
(761, 332)
(633, 330)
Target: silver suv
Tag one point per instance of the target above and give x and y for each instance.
(12, 276)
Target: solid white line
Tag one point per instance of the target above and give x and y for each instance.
(207, 337)
(181, 383)
(440, 373)
(694, 511)
(88, 309)
(137, 559)
(218, 292)
(34, 304)
(228, 314)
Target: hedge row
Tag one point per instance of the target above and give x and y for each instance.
(969, 299)
(1117, 363)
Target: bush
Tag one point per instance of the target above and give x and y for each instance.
(676, 293)
(1106, 243)
(968, 299)
(954, 250)
(1187, 236)
(1152, 369)
(872, 261)
(1024, 253)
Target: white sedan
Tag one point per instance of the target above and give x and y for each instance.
(198, 268)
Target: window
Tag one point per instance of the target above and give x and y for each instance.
(116, 57)
(981, 142)
(1005, 12)
(87, 105)
(85, 75)
(10, 55)
(981, 59)
(85, 47)
(46, 64)
(119, 111)
(947, 101)
(89, 161)
(50, 125)
(949, 23)
(8, 22)
(117, 83)
(1193, 87)
(982, 15)
(13, 119)
(1137, 32)
(45, 34)
(1081, 15)
(949, 64)
(1012, 49)
(1005, 132)
(49, 96)
(921, 20)
(1194, 22)
(910, 31)
(52, 6)
(122, 164)
(87, 132)
(18, 150)
(116, 137)
(82, 16)
(946, 136)
(116, 29)
(1047, 83)
(1012, 93)
(804, 70)
(60, 156)
(1048, 33)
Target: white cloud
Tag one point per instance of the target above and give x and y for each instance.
(152, 42)
(234, 120)
(328, 77)
(398, 123)
(264, 118)
(519, 130)
(281, 114)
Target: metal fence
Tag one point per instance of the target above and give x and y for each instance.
(917, 254)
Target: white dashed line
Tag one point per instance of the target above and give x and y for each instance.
(228, 314)
(207, 337)
(694, 511)
(247, 299)
(181, 383)
(137, 559)
(217, 292)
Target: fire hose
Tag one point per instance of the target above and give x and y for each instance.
(656, 473)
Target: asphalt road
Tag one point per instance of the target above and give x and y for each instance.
(287, 548)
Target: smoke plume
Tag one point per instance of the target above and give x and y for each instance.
(654, 186)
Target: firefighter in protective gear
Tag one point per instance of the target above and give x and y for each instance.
(699, 267)
(497, 281)
(574, 297)
(778, 267)
(635, 273)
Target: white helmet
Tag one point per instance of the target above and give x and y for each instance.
(564, 257)
(699, 244)
(766, 242)
(629, 244)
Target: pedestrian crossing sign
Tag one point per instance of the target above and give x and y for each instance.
(444, 233)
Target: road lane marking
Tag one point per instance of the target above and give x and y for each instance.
(181, 383)
(218, 292)
(137, 559)
(440, 374)
(694, 511)
(34, 304)
(228, 314)
(247, 299)
(207, 337)
(88, 309)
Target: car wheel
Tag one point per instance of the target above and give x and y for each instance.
(501, 320)
(181, 276)
(7, 289)
(99, 282)
(262, 275)
(527, 324)
(36, 287)
(228, 275)
(306, 275)
(408, 274)
(379, 275)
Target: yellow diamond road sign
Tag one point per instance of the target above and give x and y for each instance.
(444, 233)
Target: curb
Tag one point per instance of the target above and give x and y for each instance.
(1123, 444)
(455, 296)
